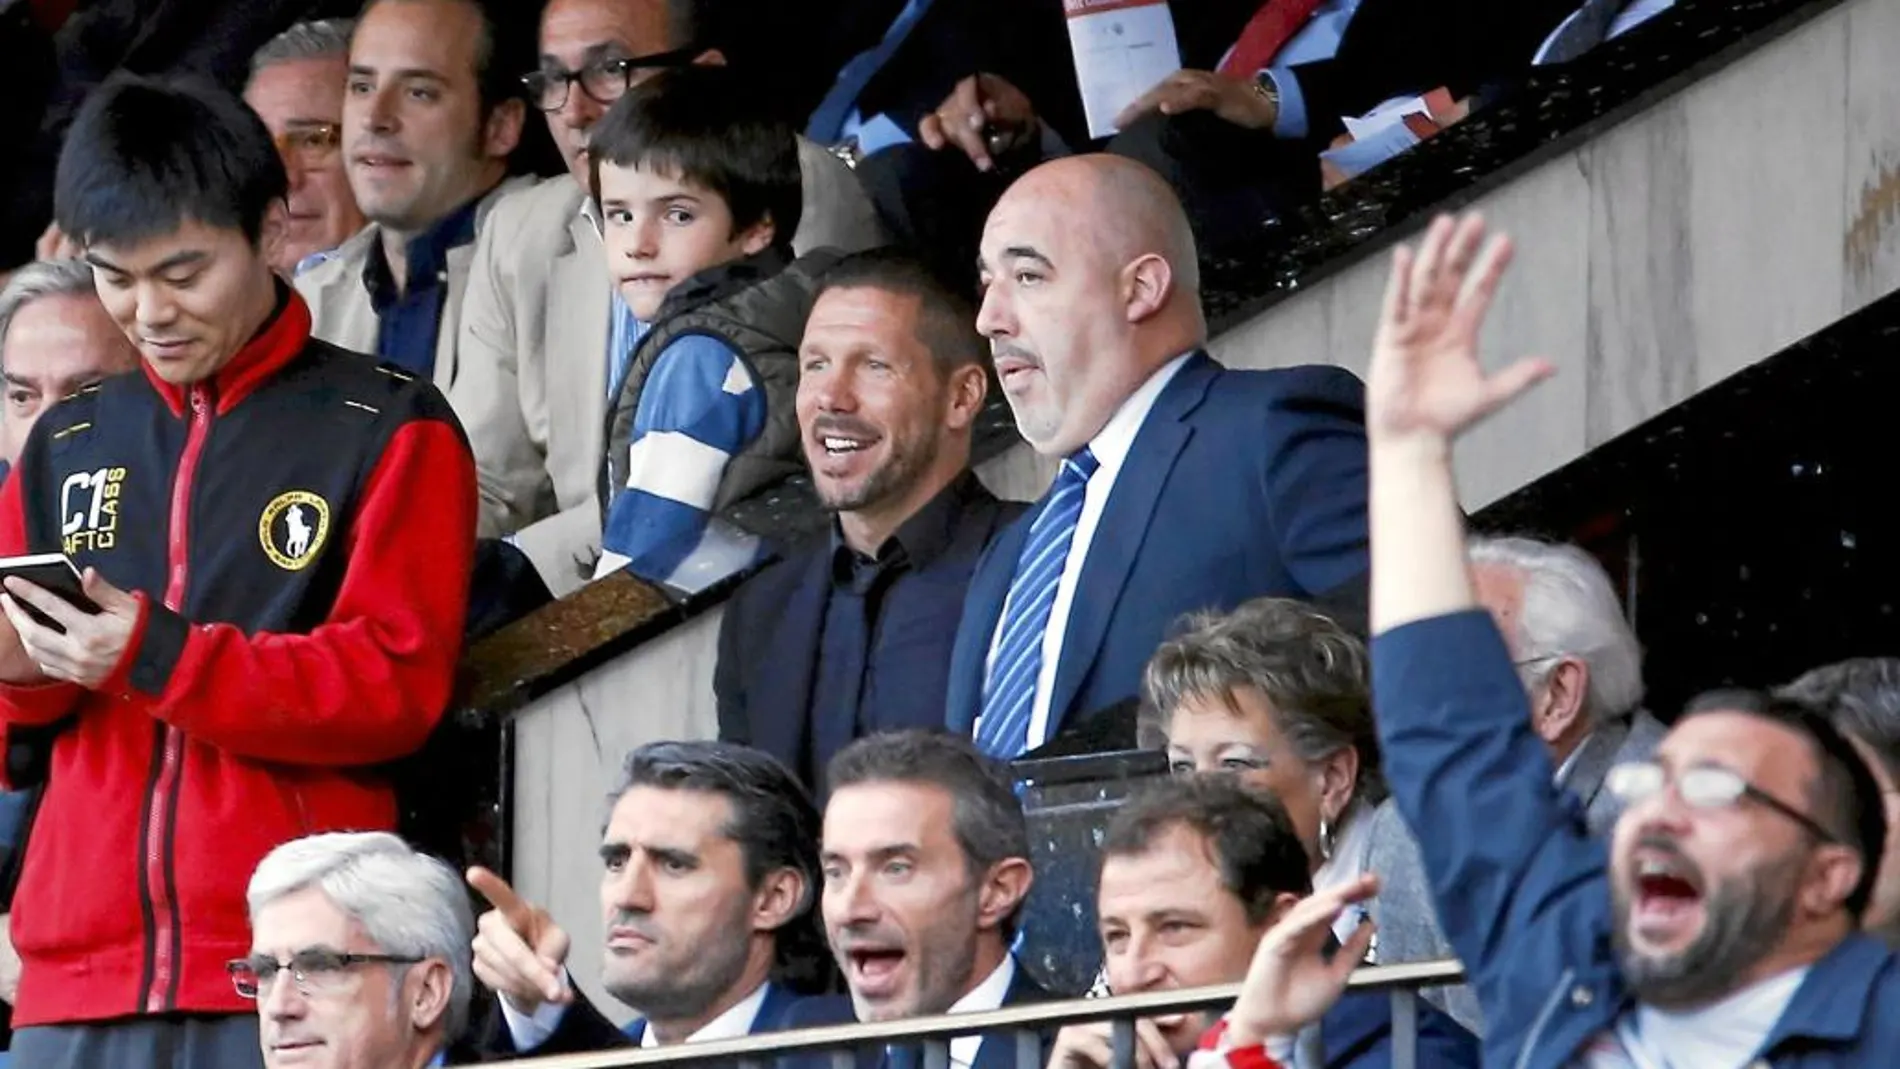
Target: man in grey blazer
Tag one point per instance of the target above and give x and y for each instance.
(1583, 671)
(542, 324)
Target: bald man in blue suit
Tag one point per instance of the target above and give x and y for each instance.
(1183, 485)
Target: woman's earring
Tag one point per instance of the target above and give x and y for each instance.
(1326, 839)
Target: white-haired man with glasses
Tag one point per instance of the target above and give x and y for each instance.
(359, 954)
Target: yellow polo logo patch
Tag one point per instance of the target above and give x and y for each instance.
(293, 529)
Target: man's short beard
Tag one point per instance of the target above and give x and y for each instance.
(900, 472)
(1745, 920)
(688, 992)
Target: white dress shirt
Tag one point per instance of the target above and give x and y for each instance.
(985, 996)
(1111, 446)
(531, 1030)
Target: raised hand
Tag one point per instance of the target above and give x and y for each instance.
(1425, 381)
(519, 951)
(1290, 985)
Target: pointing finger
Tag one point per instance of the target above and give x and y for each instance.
(517, 912)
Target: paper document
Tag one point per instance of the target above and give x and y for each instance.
(1123, 48)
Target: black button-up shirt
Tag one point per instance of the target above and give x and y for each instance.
(833, 644)
(407, 322)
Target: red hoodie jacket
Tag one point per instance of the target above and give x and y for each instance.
(299, 531)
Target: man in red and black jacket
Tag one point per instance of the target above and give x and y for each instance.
(277, 534)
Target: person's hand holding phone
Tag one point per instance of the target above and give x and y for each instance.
(91, 645)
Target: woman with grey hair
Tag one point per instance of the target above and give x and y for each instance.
(1277, 693)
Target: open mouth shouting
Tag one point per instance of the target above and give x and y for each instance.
(1666, 897)
(875, 971)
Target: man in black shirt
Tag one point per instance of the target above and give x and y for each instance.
(851, 633)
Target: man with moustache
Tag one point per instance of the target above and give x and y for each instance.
(296, 87)
(1183, 486)
(926, 866)
(851, 634)
(1720, 928)
(707, 897)
(543, 326)
(429, 119)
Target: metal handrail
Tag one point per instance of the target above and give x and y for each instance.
(1026, 1020)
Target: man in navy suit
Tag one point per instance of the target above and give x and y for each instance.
(711, 875)
(926, 865)
(1194, 872)
(1183, 485)
(851, 633)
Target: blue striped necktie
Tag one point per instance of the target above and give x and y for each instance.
(1009, 694)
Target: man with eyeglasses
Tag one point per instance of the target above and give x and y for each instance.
(359, 954)
(296, 87)
(1719, 930)
(543, 327)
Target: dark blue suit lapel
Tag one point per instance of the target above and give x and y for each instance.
(1124, 527)
(982, 608)
(771, 1016)
(784, 717)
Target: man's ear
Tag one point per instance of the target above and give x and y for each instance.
(782, 896)
(1004, 888)
(1560, 713)
(968, 385)
(1833, 873)
(501, 134)
(758, 237)
(1147, 283)
(430, 985)
(1282, 903)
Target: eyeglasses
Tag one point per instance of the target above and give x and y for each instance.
(1702, 787)
(317, 972)
(308, 145)
(602, 80)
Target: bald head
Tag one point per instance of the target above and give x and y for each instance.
(1091, 191)
(1091, 284)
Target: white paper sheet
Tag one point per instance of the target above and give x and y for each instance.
(1123, 48)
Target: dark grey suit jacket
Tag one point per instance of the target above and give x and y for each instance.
(1407, 918)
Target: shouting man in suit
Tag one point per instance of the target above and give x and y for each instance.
(711, 869)
(852, 633)
(926, 865)
(1183, 485)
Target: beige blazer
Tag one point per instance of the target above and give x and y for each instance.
(339, 304)
(532, 382)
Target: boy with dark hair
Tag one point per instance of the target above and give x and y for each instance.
(699, 197)
(276, 535)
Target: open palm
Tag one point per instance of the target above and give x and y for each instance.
(1292, 982)
(1425, 379)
